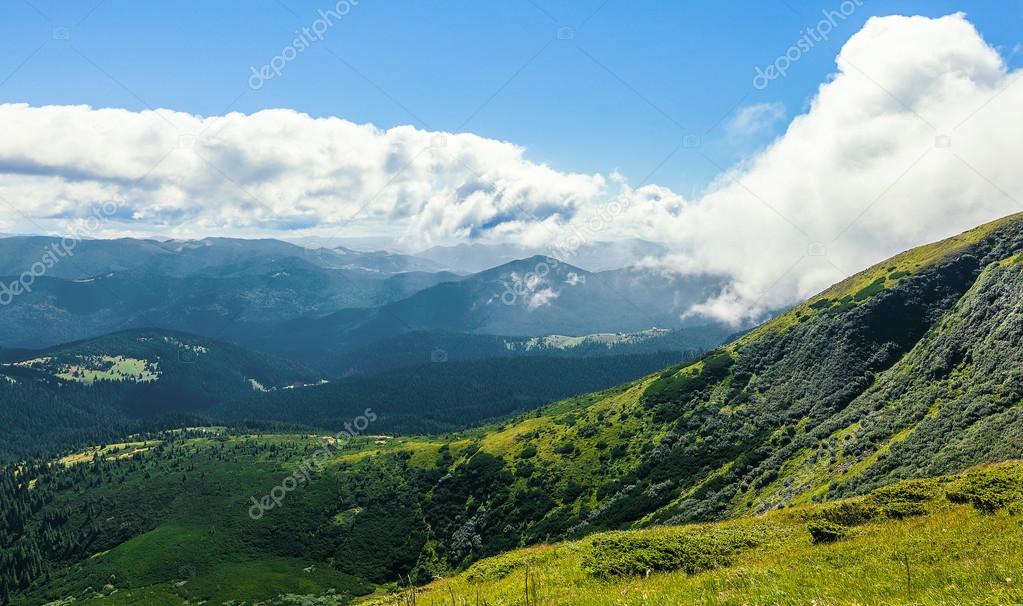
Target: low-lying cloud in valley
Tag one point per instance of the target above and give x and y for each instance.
(914, 138)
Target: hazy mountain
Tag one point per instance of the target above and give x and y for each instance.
(215, 287)
(381, 261)
(529, 297)
(593, 256)
(314, 304)
(541, 296)
(82, 259)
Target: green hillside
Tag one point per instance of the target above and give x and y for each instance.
(99, 390)
(909, 370)
(948, 540)
(57, 398)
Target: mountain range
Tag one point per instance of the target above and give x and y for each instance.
(593, 256)
(833, 433)
(316, 306)
(533, 297)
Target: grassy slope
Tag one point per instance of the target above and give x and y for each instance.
(952, 554)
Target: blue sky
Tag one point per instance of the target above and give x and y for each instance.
(620, 88)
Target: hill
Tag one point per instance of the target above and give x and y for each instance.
(158, 368)
(417, 347)
(911, 543)
(143, 380)
(442, 396)
(54, 398)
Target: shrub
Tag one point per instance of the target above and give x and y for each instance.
(832, 522)
(903, 500)
(899, 510)
(912, 490)
(682, 384)
(498, 567)
(848, 513)
(870, 289)
(528, 452)
(825, 531)
(685, 549)
(988, 491)
(565, 449)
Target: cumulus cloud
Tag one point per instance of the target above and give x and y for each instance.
(915, 137)
(272, 170)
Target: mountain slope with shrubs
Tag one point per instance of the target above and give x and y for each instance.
(947, 540)
(907, 369)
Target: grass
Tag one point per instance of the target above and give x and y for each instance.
(956, 553)
(109, 368)
(108, 452)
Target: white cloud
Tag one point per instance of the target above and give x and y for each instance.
(273, 170)
(753, 120)
(856, 178)
(865, 173)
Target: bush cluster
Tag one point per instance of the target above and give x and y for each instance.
(687, 549)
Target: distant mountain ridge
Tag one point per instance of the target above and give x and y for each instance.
(88, 258)
(593, 256)
(312, 304)
(538, 296)
(419, 347)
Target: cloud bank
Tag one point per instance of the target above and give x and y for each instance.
(274, 170)
(915, 137)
